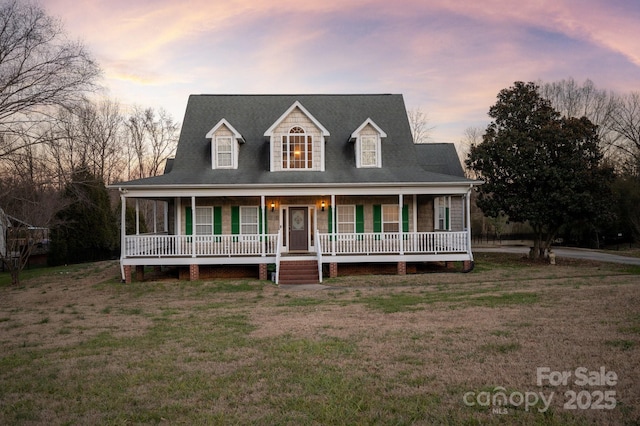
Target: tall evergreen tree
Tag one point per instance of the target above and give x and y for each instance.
(88, 229)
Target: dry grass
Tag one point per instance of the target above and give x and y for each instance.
(78, 347)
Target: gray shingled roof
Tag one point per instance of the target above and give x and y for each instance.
(252, 115)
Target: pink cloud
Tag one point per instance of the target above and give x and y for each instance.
(449, 58)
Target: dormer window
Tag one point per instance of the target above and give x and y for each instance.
(224, 152)
(296, 141)
(297, 149)
(369, 151)
(225, 143)
(368, 148)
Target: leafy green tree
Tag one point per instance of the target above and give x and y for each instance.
(539, 167)
(88, 229)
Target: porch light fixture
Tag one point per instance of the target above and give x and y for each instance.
(322, 204)
(273, 206)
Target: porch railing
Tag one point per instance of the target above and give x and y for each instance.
(391, 242)
(258, 245)
(204, 245)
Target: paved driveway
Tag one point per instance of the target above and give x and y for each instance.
(575, 253)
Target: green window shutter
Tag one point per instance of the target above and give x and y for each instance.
(189, 221)
(377, 218)
(330, 222)
(446, 218)
(235, 221)
(217, 220)
(405, 218)
(360, 219)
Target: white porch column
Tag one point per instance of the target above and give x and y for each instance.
(137, 217)
(334, 225)
(178, 219)
(155, 216)
(123, 226)
(415, 213)
(166, 217)
(193, 226)
(468, 211)
(400, 230)
(263, 211)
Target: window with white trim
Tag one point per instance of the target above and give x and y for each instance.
(204, 220)
(346, 217)
(390, 218)
(442, 212)
(368, 146)
(224, 152)
(369, 151)
(297, 149)
(249, 222)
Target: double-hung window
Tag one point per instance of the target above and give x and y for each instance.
(249, 222)
(346, 216)
(390, 218)
(224, 152)
(442, 207)
(204, 220)
(369, 151)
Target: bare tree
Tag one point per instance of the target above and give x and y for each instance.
(163, 137)
(152, 139)
(137, 148)
(39, 68)
(626, 122)
(472, 137)
(419, 123)
(574, 100)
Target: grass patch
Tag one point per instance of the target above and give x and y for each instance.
(390, 303)
(302, 301)
(493, 301)
(245, 352)
(622, 344)
(500, 348)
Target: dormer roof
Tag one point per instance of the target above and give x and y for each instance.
(225, 123)
(368, 122)
(295, 105)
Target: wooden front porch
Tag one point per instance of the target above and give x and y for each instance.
(266, 249)
(356, 244)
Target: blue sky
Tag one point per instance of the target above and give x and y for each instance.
(449, 58)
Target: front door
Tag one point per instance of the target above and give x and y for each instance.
(298, 232)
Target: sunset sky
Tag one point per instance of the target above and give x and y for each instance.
(449, 58)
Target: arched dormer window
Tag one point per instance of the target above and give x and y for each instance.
(297, 149)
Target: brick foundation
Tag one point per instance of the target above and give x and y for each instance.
(402, 268)
(194, 272)
(467, 266)
(333, 270)
(139, 272)
(127, 274)
(262, 273)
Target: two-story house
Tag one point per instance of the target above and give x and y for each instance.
(309, 184)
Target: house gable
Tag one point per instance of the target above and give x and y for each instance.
(225, 141)
(297, 141)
